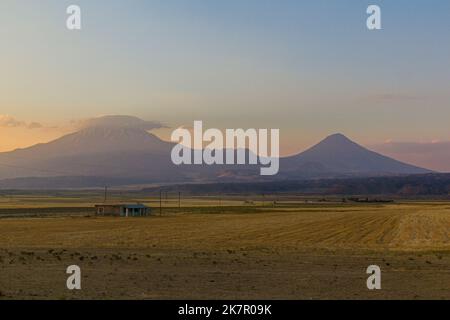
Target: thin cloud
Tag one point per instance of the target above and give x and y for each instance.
(7, 121)
(118, 121)
(34, 125)
(416, 147)
(390, 97)
(433, 155)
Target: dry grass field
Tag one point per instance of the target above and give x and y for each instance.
(291, 251)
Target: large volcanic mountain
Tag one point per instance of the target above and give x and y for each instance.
(118, 148)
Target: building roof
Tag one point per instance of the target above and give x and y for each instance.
(125, 205)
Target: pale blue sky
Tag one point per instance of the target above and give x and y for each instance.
(310, 68)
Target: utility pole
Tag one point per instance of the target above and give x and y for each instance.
(106, 194)
(160, 202)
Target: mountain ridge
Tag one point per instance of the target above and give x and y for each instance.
(115, 151)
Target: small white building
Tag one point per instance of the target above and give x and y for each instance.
(122, 210)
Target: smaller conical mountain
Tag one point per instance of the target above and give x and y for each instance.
(337, 154)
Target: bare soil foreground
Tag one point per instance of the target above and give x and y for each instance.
(295, 252)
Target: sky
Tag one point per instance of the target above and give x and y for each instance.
(308, 68)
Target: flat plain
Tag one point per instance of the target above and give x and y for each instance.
(238, 250)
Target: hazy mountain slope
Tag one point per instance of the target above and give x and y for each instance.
(98, 140)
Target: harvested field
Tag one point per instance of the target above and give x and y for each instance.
(293, 252)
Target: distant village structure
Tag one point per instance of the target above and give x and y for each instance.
(123, 210)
